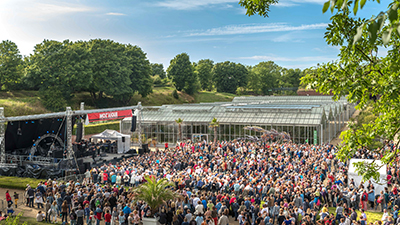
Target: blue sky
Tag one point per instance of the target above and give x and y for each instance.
(292, 36)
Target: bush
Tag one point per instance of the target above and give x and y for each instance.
(175, 94)
(53, 99)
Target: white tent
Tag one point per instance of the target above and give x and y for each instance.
(357, 178)
(123, 140)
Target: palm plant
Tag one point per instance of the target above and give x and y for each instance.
(214, 124)
(155, 193)
(179, 121)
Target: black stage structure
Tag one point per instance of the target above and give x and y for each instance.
(41, 145)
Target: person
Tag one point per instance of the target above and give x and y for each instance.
(53, 212)
(121, 218)
(223, 220)
(72, 217)
(16, 197)
(64, 210)
(47, 210)
(10, 210)
(80, 213)
(364, 199)
(91, 219)
(39, 199)
(98, 212)
(385, 216)
(40, 216)
(107, 218)
(8, 198)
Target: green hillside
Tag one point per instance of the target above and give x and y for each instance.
(18, 103)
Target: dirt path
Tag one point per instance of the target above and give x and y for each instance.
(27, 211)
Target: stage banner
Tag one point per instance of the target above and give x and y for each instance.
(114, 115)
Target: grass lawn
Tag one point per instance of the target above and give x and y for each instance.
(23, 220)
(371, 216)
(18, 182)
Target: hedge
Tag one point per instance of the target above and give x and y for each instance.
(99, 127)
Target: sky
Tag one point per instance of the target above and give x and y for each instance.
(292, 36)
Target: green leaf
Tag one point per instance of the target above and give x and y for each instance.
(333, 3)
(393, 14)
(355, 9)
(326, 7)
(362, 3)
(386, 36)
(381, 21)
(357, 37)
(373, 30)
(344, 6)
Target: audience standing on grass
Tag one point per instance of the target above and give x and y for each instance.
(252, 182)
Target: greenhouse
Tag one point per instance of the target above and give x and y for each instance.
(312, 119)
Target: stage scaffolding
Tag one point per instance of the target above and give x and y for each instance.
(69, 113)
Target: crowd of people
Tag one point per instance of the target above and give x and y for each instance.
(251, 183)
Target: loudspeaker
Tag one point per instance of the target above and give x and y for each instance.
(145, 148)
(141, 151)
(133, 128)
(58, 154)
(87, 166)
(123, 139)
(79, 129)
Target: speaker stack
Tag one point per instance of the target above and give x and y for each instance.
(79, 129)
(146, 148)
(133, 127)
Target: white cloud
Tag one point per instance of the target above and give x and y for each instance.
(256, 28)
(40, 10)
(191, 4)
(115, 14)
(288, 59)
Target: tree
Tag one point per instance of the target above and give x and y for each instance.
(140, 74)
(179, 121)
(155, 193)
(214, 124)
(65, 66)
(204, 69)
(266, 75)
(158, 69)
(182, 73)
(228, 76)
(111, 70)
(366, 78)
(11, 64)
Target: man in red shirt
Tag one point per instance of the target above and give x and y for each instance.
(107, 218)
(105, 177)
(166, 145)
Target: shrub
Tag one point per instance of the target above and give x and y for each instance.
(53, 99)
(175, 94)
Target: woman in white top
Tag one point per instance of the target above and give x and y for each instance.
(118, 181)
(385, 216)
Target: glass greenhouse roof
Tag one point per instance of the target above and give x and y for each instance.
(254, 110)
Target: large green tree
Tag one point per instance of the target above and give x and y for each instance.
(158, 69)
(182, 73)
(360, 73)
(264, 76)
(65, 66)
(228, 76)
(11, 65)
(204, 69)
(140, 75)
(111, 70)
